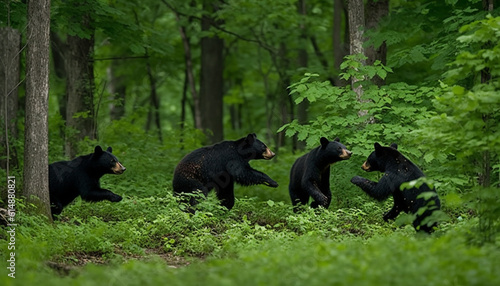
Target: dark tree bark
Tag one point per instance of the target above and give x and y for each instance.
(118, 89)
(340, 48)
(190, 79)
(285, 102)
(10, 48)
(154, 108)
(184, 100)
(36, 171)
(79, 67)
(211, 80)
(488, 5)
(58, 48)
(303, 62)
(375, 11)
(485, 175)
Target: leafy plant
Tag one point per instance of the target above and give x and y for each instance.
(393, 109)
(465, 122)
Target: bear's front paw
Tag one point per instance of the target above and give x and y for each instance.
(115, 198)
(357, 179)
(272, 184)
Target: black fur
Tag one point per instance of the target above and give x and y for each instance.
(398, 169)
(219, 166)
(310, 174)
(80, 177)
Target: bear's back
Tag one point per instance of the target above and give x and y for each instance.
(202, 162)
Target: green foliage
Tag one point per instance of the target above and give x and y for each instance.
(465, 123)
(418, 36)
(394, 109)
(138, 238)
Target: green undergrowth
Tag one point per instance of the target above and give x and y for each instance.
(150, 240)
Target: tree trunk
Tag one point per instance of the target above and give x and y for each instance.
(211, 80)
(376, 10)
(118, 89)
(190, 80)
(154, 108)
(303, 62)
(58, 48)
(79, 90)
(485, 176)
(356, 18)
(36, 171)
(285, 102)
(10, 48)
(339, 46)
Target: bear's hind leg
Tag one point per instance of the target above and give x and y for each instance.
(226, 196)
(298, 200)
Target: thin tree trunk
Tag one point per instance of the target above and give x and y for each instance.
(375, 11)
(356, 16)
(339, 46)
(117, 88)
(211, 79)
(190, 74)
(486, 223)
(184, 99)
(10, 49)
(285, 102)
(303, 62)
(79, 90)
(58, 48)
(154, 109)
(36, 171)
(485, 176)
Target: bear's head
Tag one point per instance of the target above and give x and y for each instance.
(378, 159)
(251, 148)
(106, 163)
(333, 151)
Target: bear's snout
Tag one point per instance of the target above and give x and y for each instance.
(268, 154)
(366, 166)
(118, 168)
(346, 154)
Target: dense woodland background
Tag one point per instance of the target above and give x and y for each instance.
(158, 79)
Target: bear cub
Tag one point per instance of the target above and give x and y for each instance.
(310, 174)
(218, 167)
(398, 169)
(80, 177)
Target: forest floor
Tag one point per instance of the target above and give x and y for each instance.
(150, 241)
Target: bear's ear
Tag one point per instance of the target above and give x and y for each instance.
(251, 138)
(97, 153)
(394, 145)
(97, 150)
(110, 150)
(337, 139)
(324, 142)
(378, 147)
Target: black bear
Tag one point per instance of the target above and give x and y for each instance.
(80, 177)
(220, 165)
(398, 169)
(310, 174)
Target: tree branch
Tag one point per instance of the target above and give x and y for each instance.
(218, 27)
